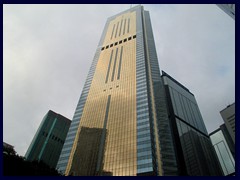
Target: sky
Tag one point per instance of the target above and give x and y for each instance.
(48, 50)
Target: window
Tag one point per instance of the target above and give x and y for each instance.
(125, 40)
(134, 36)
(129, 38)
(111, 45)
(113, 31)
(107, 46)
(102, 48)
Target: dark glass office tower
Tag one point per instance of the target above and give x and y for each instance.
(195, 154)
(48, 141)
(120, 125)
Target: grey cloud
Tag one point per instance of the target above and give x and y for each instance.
(48, 50)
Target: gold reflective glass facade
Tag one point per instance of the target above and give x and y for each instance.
(120, 126)
(109, 113)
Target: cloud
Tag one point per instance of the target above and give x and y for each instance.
(48, 50)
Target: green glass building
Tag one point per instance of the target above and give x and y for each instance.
(48, 141)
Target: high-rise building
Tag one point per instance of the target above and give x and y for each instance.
(228, 9)
(121, 124)
(225, 149)
(228, 115)
(48, 141)
(122, 105)
(195, 154)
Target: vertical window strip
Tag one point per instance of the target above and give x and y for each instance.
(113, 30)
(120, 63)
(124, 26)
(114, 65)
(109, 66)
(116, 30)
(103, 136)
(46, 140)
(128, 25)
(120, 28)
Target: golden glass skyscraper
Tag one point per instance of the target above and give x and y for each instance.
(120, 124)
(131, 121)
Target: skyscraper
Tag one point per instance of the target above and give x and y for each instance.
(121, 124)
(122, 105)
(228, 8)
(225, 149)
(195, 154)
(48, 141)
(228, 115)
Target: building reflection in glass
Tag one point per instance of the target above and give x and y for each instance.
(223, 152)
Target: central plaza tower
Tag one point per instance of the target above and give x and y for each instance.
(120, 125)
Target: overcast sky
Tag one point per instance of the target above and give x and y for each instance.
(48, 50)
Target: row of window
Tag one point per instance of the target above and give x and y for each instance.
(146, 141)
(141, 73)
(55, 138)
(144, 169)
(144, 161)
(142, 123)
(140, 61)
(62, 165)
(73, 131)
(143, 135)
(73, 128)
(141, 77)
(143, 154)
(119, 42)
(144, 111)
(111, 88)
(113, 30)
(144, 165)
(75, 120)
(144, 92)
(142, 83)
(143, 131)
(114, 65)
(186, 109)
(140, 66)
(67, 149)
(193, 144)
(141, 139)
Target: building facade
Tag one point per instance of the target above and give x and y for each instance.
(8, 149)
(48, 141)
(225, 149)
(228, 115)
(121, 125)
(228, 9)
(195, 154)
(123, 104)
